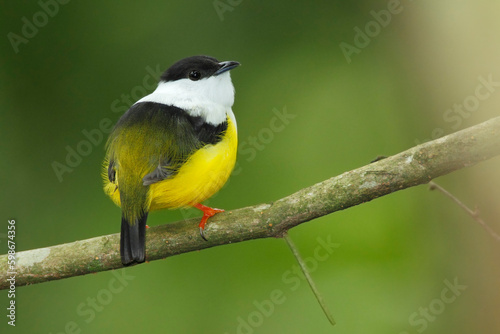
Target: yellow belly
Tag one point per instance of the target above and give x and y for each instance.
(203, 174)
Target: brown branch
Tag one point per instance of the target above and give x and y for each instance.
(418, 165)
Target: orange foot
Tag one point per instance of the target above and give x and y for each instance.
(207, 213)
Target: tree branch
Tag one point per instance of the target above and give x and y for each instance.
(415, 166)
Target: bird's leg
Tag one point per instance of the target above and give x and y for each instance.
(207, 213)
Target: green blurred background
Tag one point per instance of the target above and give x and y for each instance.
(394, 254)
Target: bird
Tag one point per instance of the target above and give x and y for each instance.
(173, 148)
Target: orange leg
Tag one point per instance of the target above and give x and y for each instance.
(207, 213)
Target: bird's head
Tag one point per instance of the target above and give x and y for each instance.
(201, 78)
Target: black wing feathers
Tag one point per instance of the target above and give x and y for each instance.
(111, 171)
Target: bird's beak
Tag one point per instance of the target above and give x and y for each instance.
(226, 66)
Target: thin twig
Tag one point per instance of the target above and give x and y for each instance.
(307, 275)
(473, 214)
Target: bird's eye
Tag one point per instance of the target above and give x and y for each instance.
(194, 75)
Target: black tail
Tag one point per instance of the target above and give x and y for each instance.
(133, 240)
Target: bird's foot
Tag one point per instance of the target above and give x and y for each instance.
(207, 213)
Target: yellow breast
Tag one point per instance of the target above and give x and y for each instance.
(204, 173)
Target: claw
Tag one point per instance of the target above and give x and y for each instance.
(201, 234)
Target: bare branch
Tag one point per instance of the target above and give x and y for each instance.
(418, 165)
(309, 279)
(473, 214)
